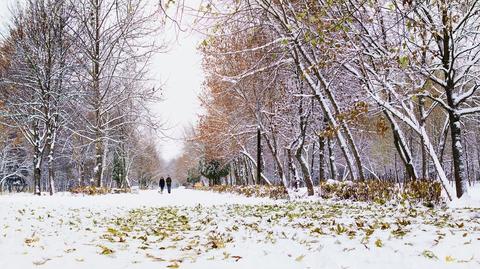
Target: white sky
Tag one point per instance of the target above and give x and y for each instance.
(4, 13)
(178, 71)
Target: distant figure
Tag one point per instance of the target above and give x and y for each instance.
(169, 184)
(161, 184)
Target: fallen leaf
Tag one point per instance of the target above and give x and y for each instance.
(157, 259)
(300, 258)
(41, 262)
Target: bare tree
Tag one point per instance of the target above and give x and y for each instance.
(113, 51)
(36, 92)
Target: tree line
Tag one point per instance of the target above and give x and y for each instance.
(303, 91)
(75, 94)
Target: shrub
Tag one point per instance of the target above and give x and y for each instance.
(273, 192)
(89, 190)
(426, 191)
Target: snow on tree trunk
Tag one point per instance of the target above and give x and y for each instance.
(274, 151)
(37, 163)
(37, 174)
(331, 119)
(331, 159)
(307, 176)
(252, 161)
(402, 147)
(457, 155)
(321, 158)
(51, 172)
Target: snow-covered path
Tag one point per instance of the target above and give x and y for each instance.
(194, 229)
(152, 198)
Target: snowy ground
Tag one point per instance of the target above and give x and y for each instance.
(194, 229)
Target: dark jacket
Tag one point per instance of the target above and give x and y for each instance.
(161, 182)
(169, 181)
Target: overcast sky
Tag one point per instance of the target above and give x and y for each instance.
(178, 71)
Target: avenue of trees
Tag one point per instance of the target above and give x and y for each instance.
(296, 92)
(74, 94)
(347, 90)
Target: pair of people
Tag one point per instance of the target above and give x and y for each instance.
(162, 182)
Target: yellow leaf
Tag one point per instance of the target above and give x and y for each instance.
(173, 265)
(158, 259)
(300, 258)
(106, 250)
(449, 259)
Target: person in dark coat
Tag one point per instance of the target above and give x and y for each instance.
(169, 184)
(161, 184)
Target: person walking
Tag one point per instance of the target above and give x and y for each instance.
(169, 184)
(161, 184)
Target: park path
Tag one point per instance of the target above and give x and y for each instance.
(149, 198)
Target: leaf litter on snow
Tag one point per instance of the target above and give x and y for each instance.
(295, 234)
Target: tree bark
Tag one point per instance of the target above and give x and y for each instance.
(402, 147)
(321, 158)
(307, 177)
(454, 117)
(293, 169)
(457, 152)
(272, 145)
(37, 162)
(421, 108)
(37, 173)
(99, 143)
(99, 150)
(331, 159)
(259, 156)
(51, 171)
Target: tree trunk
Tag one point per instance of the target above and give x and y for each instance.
(99, 143)
(336, 109)
(37, 173)
(312, 161)
(246, 173)
(402, 147)
(321, 158)
(443, 139)
(259, 156)
(307, 177)
(421, 108)
(454, 117)
(331, 159)
(293, 169)
(37, 163)
(98, 161)
(253, 165)
(81, 173)
(51, 171)
(272, 145)
(467, 162)
(235, 172)
(51, 176)
(329, 115)
(457, 152)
